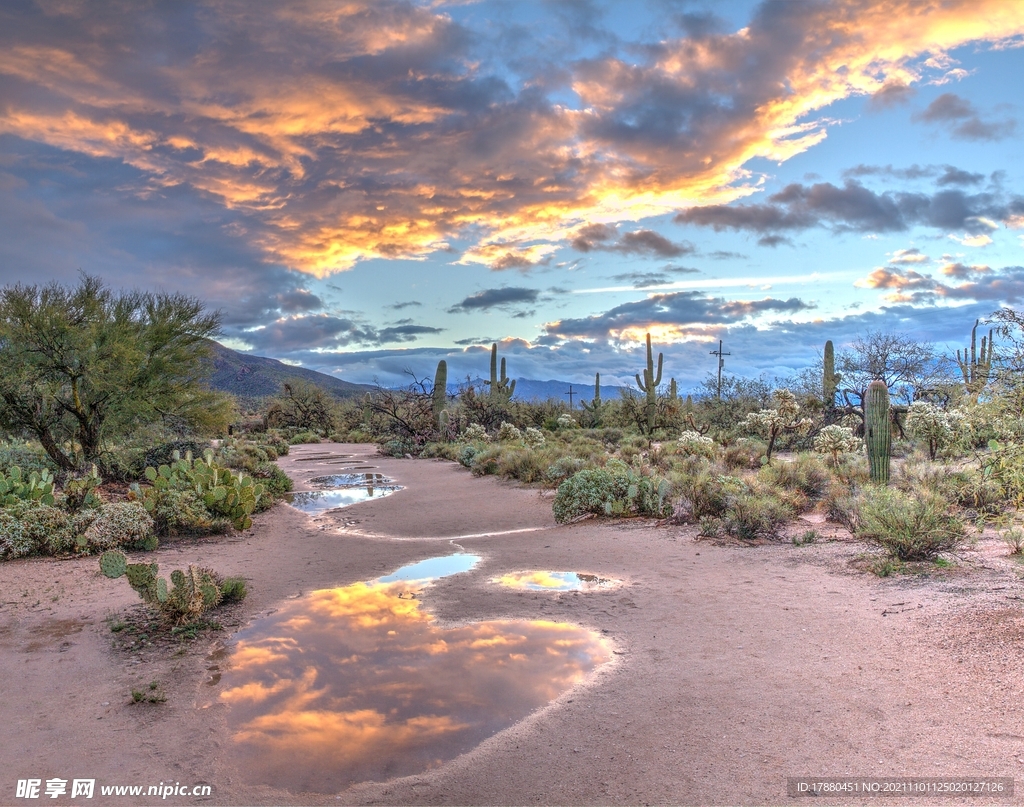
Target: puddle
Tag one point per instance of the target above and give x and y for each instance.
(317, 501)
(359, 683)
(349, 480)
(555, 581)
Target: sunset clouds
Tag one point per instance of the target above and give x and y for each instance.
(363, 186)
(343, 132)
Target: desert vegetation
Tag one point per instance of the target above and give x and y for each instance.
(114, 440)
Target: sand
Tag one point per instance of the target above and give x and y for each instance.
(734, 668)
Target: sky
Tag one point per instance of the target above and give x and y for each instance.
(364, 188)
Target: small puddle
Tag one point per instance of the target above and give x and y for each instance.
(359, 683)
(555, 581)
(318, 501)
(349, 480)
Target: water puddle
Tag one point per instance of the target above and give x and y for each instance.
(359, 683)
(319, 501)
(555, 581)
(350, 480)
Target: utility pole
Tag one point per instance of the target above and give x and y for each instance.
(721, 364)
(570, 393)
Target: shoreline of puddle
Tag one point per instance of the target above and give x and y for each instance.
(314, 687)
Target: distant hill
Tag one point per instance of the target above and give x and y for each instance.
(250, 376)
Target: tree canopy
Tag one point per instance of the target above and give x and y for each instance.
(81, 365)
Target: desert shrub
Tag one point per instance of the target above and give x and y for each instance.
(49, 528)
(908, 526)
(1014, 538)
(840, 505)
(804, 473)
(564, 467)
(13, 541)
(750, 516)
(704, 494)
(166, 453)
(119, 524)
(524, 464)
(615, 490)
(566, 421)
(690, 442)
(397, 448)
(275, 481)
(534, 438)
(508, 432)
(474, 431)
(745, 453)
(966, 488)
(180, 510)
(485, 461)
(232, 589)
(301, 438)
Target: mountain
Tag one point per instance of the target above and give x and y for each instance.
(257, 377)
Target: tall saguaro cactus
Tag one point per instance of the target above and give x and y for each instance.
(501, 388)
(878, 430)
(976, 368)
(649, 385)
(440, 392)
(596, 405)
(830, 378)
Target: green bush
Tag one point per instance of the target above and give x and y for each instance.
(745, 453)
(485, 462)
(179, 510)
(119, 524)
(615, 490)
(397, 448)
(704, 494)
(27, 456)
(841, 507)
(304, 437)
(275, 481)
(804, 473)
(908, 526)
(750, 516)
(563, 468)
(13, 541)
(50, 528)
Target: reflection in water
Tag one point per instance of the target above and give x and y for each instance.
(358, 683)
(317, 501)
(350, 480)
(433, 568)
(554, 581)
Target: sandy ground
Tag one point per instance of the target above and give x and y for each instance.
(734, 667)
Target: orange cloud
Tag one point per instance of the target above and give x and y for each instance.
(360, 130)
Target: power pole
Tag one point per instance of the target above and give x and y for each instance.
(570, 393)
(721, 364)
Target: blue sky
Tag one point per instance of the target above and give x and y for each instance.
(364, 189)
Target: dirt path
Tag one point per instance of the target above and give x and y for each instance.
(735, 667)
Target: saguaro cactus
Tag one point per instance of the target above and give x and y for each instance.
(976, 368)
(596, 405)
(440, 392)
(501, 388)
(649, 385)
(830, 378)
(878, 430)
(673, 390)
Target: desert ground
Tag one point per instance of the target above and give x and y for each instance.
(732, 667)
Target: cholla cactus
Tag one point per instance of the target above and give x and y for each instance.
(567, 421)
(835, 440)
(534, 438)
(475, 432)
(941, 428)
(508, 431)
(691, 442)
(771, 423)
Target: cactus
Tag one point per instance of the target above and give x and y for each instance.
(673, 391)
(501, 388)
(877, 430)
(440, 393)
(37, 487)
(113, 563)
(223, 492)
(976, 369)
(595, 408)
(649, 385)
(830, 378)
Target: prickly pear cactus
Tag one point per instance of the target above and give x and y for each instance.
(113, 563)
(878, 430)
